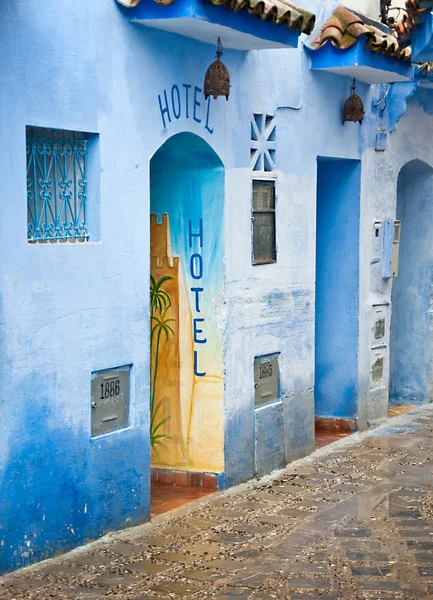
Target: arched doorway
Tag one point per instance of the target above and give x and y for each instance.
(187, 388)
(411, 347)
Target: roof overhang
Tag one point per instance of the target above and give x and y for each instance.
(422, 40)
(201, 20)
(358, 61)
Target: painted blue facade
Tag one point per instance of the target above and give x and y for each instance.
(70, 309)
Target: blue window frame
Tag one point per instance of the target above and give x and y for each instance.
(56, 185)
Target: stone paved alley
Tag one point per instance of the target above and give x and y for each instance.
(355, 521)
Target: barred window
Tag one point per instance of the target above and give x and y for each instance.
(263, 217)
(56, 185)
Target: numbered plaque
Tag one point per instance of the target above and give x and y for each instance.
(266, 379)
(110, 400)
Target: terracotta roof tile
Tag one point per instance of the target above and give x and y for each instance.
(411, 17)
(281, 12)
(343, 29)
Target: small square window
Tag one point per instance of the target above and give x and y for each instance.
(263, 217)
(57, 187)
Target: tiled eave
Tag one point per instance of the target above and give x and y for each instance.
(241, 24)
(344, 29)
(349, 46)
(412, 17)
(281, 12)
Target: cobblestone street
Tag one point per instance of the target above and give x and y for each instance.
(353, 521)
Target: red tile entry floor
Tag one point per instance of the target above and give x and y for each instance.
(165, 497)
(329, 429)
(325, 436)
(395, 410)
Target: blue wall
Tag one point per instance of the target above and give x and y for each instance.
(337, 282)
(60, 488)
(67, 310)
(411, 347)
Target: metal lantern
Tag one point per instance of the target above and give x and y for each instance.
(353, 109)
(217, 78)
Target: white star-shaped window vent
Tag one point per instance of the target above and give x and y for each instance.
(263, 142)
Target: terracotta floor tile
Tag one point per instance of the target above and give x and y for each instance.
(166, 497)
(324, 437)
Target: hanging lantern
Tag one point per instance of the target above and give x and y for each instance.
(353, 109)
(217, 78)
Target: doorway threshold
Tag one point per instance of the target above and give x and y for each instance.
(324, 437)
(329, 430)
(395, 410)
(165, 497)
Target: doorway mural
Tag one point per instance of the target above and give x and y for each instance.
(187, 278)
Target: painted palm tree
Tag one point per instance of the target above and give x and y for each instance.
(160, 303)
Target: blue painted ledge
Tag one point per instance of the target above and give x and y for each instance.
(200, 20)
(366, 65)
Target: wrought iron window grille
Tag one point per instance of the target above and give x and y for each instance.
(56, 185)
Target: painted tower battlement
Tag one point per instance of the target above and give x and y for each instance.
(174, 381)
(165, 262)
(160, 235)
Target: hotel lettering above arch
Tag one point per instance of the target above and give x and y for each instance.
(182, 102)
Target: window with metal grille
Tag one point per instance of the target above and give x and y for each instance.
(263, 217)
(56, 185)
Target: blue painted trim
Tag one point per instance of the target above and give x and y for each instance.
(220, 15)
(422, 40)
(221, 480)
(328, 57)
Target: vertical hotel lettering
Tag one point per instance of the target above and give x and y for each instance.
(196, 272)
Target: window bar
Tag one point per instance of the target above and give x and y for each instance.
(45, 183)
(65, 192)
(56, 207)
(35, 191)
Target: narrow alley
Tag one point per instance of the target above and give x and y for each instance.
(355, 520)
